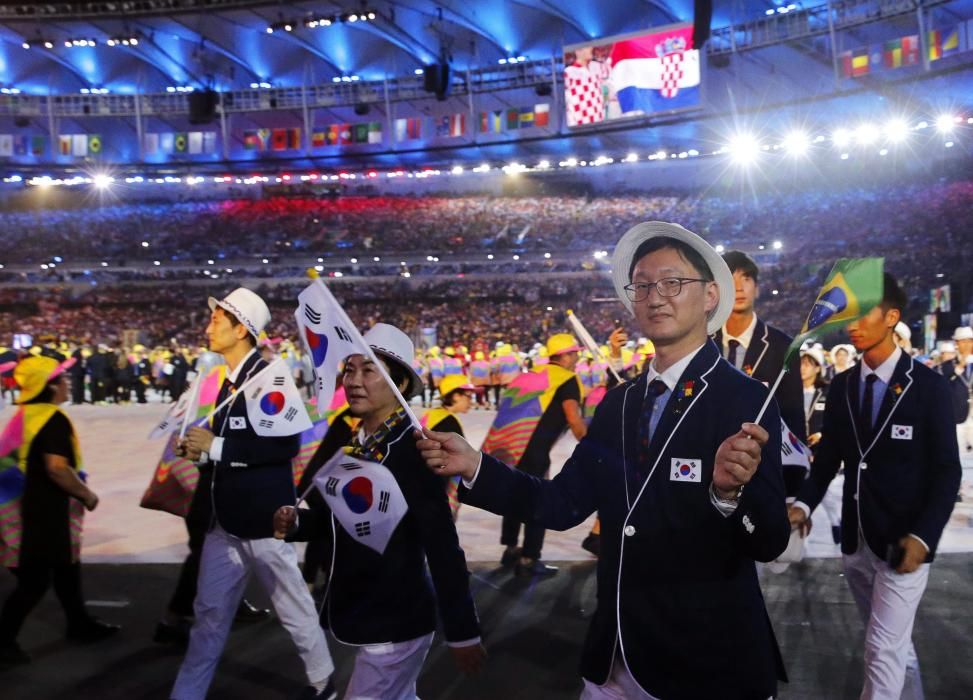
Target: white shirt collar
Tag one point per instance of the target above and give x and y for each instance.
(232, 376)
(672, 374)
(884, 370)
(744, 338)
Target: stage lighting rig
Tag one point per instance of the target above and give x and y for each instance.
(123, 41)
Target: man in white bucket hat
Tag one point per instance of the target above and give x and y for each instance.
(244, 478)
(689, 492)
(959, 372)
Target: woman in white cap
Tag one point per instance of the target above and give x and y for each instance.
(384, 603)
(44, 496)
(842, 358)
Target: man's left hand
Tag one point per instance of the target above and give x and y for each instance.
(469, 659)
(737, 459)
(198, 440)
(914, 554)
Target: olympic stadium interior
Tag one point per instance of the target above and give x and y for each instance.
(423, 158)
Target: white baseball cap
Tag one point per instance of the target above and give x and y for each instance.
(245, 306)
(963, 333)
(392, 344)
(628, 245)
(816, 354)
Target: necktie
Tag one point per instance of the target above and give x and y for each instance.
(733, 352)
(868, 401)
(226, 389)
(656, 389)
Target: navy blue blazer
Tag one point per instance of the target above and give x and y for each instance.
(765, 358)
(253, 477)
(376, 598)
(905, 480)
(678, 598)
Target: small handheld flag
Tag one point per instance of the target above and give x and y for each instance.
(364, 497)
(274, 404)
(329, 337)
(589, 342)
(853, 288)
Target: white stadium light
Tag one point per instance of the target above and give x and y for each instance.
(743, 149)
(777, 245)
(840, 137)
(720, 247)
(865, 134)
(796, 143)
(944, 123)
(896, 130)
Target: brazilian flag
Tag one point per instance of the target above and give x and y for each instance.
(853, 288)
(181, 143)
(94, 143)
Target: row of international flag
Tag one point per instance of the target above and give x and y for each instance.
(906, 51)
(170, 142)
(22, 145)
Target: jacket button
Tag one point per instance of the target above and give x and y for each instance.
(864, 466)
(629, 530)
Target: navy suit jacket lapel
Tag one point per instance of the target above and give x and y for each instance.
(758, 345)
(853, 401)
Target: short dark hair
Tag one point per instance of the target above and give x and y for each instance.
(47, 393)
(892, 295)
(686, 251)
(738, 260)
(450, 398)
(397, 373)
(234, 322)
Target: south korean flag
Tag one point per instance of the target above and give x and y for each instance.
(274, 404)
(364, 497)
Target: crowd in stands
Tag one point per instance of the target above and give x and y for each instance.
(922, 231)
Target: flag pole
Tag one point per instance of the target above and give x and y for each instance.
(353, 329)
(192, 407)
(588, 340)
(246, 385)
(773, 389)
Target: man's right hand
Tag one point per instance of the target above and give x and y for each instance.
(799, 519)
(285, 519)
(617, 341)
(447, 454)
(90, 501)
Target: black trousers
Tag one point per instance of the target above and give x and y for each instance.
(182, 599)
(533, 533)
(33, 580)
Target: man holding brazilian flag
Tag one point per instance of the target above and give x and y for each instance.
(889, 421)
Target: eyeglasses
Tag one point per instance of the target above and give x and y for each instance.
(666, 287)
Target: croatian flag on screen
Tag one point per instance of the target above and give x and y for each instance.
(656, 72)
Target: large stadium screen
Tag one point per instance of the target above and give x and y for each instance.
(632, 75)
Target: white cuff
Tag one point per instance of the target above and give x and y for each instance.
(726, 508)
(216, 449)
(464, 643)
(469, 484)
(921, 541)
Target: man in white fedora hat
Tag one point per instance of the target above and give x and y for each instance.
(384, 602)
(688, 490)
(244, 478)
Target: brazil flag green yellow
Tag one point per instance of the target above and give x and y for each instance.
(853, 288)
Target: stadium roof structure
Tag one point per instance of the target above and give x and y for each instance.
(768, 62)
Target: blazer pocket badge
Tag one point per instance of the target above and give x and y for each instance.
(901, 432)
(689, 470)
(238, 423)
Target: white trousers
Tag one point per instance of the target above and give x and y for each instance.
(621, 685)
(887, 602)
(388, 671)
(964, 433)
(224, 569)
